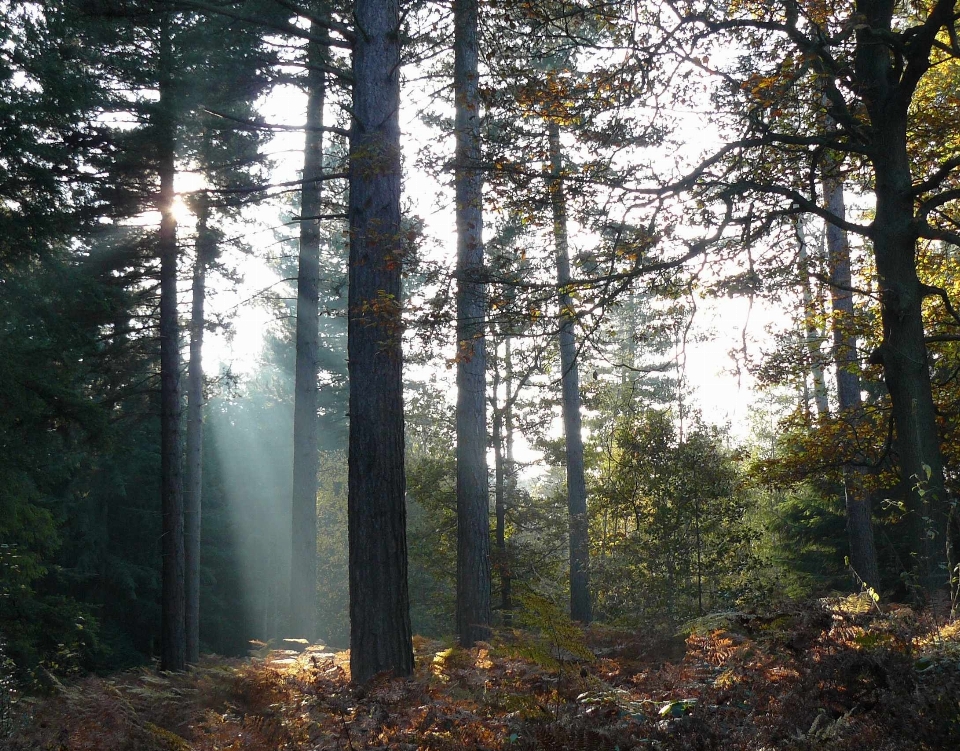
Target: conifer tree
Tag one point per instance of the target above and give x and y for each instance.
(580, 609)
(473, 526)
(380, 637)
(306, 457)
(173, 646)
(193, 470)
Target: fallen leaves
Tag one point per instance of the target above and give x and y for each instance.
(825, 675)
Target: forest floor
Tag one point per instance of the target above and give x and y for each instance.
(835, 674)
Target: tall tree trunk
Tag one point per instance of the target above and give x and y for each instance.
(173, 647)
(903, 355)
(473, 502)
(510, 484)
(380, 638)
(628, 345)
(811, 331)
(499, 480)
(863, 551)
(902, 352)
(570, 379)
(193, 481)
(306, 452)
(502, 449)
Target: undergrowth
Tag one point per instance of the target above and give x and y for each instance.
(830, 675)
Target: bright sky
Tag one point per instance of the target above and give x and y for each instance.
(722, 394)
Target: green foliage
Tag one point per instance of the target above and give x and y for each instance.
(55, 435)
(79, 465)
(547, 636)
(794, 479)
(8, 690)
(332, 552)
(431, 513)
(670, 529)
(803, 538)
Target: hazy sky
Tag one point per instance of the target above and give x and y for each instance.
(722, 394)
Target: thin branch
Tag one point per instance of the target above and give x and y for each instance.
(937, 177)
(326, 23)
(320, 217)
(286, 28)
(811, 207)
(826, 280)
(271, 186)
(273, 127)
(932, 291)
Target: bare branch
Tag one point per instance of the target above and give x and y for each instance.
(253, 125)
(271, 186)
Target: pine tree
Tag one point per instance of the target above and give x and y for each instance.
(306, 457)
(380, 637)
(473, 525)
(580, 609)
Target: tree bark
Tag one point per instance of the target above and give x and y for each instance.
(857, 504)
(193, 481)
(306, 452)
(380, 638)
(580, 609)
(510, 484)
(502, 448)
(811, 331)
(903, 352)
(173, 648)
(473, 503)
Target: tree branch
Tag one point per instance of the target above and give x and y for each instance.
(811, 207)
(931, 291)
(271, 186)
(934, 233)
(326, 23)
(937, 177)
(253, 125)
(286, 28)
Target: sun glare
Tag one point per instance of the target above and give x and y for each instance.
(186, 183)
(181, 212)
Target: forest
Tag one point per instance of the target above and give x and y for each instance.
(494, 374)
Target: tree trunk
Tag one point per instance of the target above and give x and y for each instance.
(811, 331)
(306, 452)
(503, 455)
(902, 352)
(380, 638)
(628, 345)
(903, 355)
(473, 503)
(173, 648)
(863, 552)
(193, 481)
(510, 484)
(576, 482)
(499, 484)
